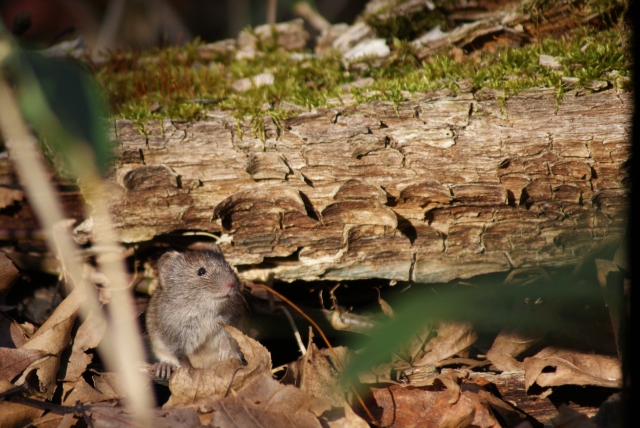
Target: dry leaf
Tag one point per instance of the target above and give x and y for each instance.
(109, 384)
(510, 415)
(88, 336)
(427, 408)
(507, 346)
(555, 367)
(452, 338)
(512, 342)
(53, 420)
(14, 361)
(15, 414)
(318, 374)
(189, 384)
(386, 307)
(52, 338)
(569, 418)
(266, 403)
(8, 272)
(80, 392)
(12, 334)
(9, 196)
(444, 403)
(101, 416)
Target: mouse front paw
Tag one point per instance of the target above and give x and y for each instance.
(163, 370)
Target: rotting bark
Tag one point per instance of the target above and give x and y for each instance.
(443, 187)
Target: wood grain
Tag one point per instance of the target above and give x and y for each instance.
(444, 186)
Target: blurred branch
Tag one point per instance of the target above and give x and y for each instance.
(271, 11)
(42, 197)
(306, 12)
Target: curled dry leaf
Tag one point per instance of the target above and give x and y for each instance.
(555, 367)
(266, 403)
(14, 361)
(15, 414)
(507, 346)
(189, 384)
(88, 336)
(318, 374)
(431, 407)
(452, 338)
(443, 401)
(52, 338)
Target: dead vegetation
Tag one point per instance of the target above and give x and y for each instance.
(535, 341)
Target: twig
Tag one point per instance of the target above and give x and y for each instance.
(271, 11)
(306, 12)
(296, 333)
(78, 410)
(14, 390)
(29, 167)
(326, 341)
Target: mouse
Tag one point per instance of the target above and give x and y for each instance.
(197, 292)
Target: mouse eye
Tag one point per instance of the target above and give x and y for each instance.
(201, 271)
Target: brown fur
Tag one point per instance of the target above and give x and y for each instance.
(184, 314)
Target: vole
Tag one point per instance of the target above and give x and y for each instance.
(197, 291)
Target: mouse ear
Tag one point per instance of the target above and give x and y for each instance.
(167, 260)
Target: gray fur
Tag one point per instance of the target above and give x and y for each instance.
(185, 312)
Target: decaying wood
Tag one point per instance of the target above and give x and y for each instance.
(446, 187)
(443, 187)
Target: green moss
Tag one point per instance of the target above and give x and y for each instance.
(175, 79)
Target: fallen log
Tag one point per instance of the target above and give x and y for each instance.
(437, 187)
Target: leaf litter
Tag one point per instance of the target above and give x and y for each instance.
(434, 380)
(47, 376)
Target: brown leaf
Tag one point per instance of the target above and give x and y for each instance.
(443, 402)
(14, 361)
(510, 415)
(12, 334)
(266, 403)
(508, 345)
(52, 420)
(8, 272)
(80, 392)
(9, 196)
(87, 337)
(15, 414)
(101, 416)
(188, 384)
(109, 384)
(569, 418)
(52, 338)
(431, 408)
(386, 307)
(318, 374)
(572, 368)
(452, 338)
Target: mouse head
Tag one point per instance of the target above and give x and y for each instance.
(204, 270)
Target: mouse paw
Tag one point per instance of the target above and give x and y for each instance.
(163, 370)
